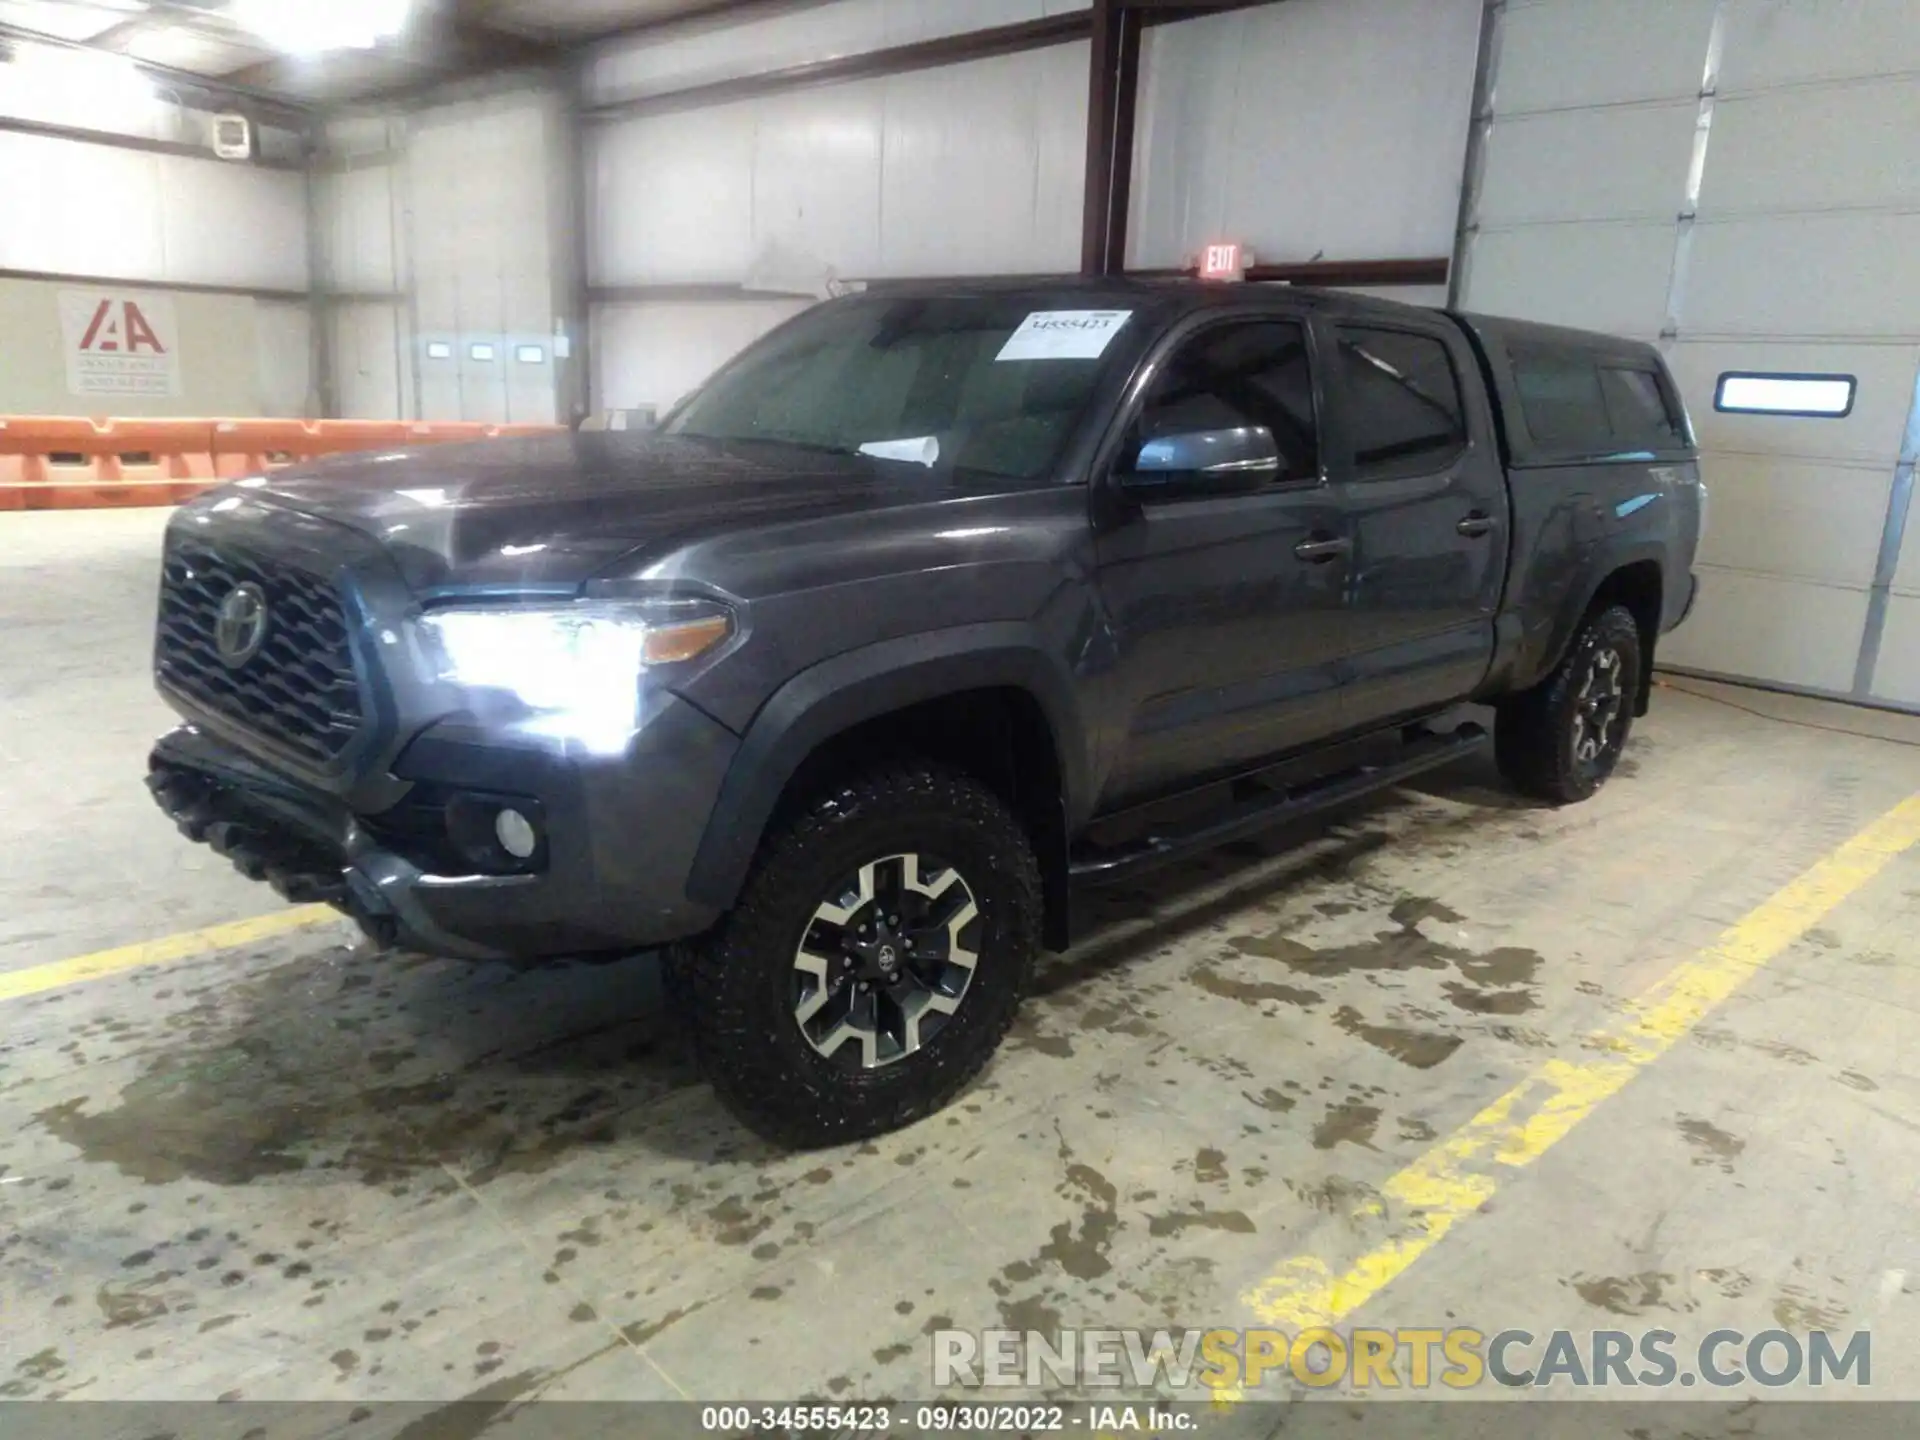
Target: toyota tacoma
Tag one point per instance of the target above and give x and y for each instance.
(915, 615)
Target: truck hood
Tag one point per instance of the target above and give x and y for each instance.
(554, 511)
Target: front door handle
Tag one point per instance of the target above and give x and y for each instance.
(1320, 551)
(1475, 525)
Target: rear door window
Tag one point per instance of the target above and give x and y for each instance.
(1404, 402)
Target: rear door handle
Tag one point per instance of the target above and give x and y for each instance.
(1475, 525)
(1318, 552)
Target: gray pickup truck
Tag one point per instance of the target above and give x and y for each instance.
(914, 615)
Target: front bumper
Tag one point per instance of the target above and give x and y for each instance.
(619, 839)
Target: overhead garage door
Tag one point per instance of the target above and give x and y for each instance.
(1720, 176)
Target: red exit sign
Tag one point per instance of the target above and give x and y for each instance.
(1223, 262)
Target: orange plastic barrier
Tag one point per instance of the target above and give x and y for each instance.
(67, 462)
(247, 447)
(62, 462)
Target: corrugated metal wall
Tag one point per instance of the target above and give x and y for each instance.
(156, 221)
(441, 233)
(1315, 127)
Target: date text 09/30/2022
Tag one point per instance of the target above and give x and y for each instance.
(1091, 1419)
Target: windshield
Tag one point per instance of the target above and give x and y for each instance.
(974, 383)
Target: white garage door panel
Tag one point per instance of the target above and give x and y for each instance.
(1806, 275)
(1897, 675)
(372, 378)
(1785, 632)
(816, 182)
(1602, 277)
(1627, 49)
(1906, 576)
(1609, 164)
(1816, 148)
(652, 354)
(1803, 519)
(1776, 42)
(1870, 435)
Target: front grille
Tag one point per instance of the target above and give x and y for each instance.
(299, 689)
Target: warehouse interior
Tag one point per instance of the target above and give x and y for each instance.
(1441, 1058)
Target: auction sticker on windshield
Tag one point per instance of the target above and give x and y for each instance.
(1064, 335)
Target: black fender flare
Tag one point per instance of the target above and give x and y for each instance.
(829, 698)
(1534, 661)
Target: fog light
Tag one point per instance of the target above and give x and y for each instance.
(516, 834)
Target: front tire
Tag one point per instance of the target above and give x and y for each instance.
(1561, 740)
(876, 956)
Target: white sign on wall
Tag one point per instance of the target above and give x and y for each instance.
(120, 342)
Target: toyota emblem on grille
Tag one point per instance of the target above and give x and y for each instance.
(240, 628)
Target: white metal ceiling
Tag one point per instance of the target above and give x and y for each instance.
(199, 37)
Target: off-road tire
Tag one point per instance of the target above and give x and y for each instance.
(733, 986)
(1536, 732)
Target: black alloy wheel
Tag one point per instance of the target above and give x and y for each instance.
(886, 961)
(1561, 740)
(873, 960)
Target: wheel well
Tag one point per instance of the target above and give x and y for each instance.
(1639, 587)
(998, 735)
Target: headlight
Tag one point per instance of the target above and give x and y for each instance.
(579, 662)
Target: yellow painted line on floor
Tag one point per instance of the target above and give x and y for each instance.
(1462, 1172)
(39, 979)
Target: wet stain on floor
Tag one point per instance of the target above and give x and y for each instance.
(1250, 992)
(1082, 1252)
(1488, 1002)
(1421, 1049)
(1234, 1222)
(1629, 1294)
(1350, 1122)
(1495, 982)
(1796, 1309)
(1715, 1145)
(244, 1087)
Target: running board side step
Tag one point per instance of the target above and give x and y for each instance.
(1428, 752)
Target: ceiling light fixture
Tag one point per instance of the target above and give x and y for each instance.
(304, 27)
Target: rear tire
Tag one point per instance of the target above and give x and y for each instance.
(1560, 740)
(909, 879)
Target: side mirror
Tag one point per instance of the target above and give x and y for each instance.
(1201, 462)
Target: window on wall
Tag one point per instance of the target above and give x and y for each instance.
(1408, 417)
(1819, 397)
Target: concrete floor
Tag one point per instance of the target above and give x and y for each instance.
(304, 1170)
